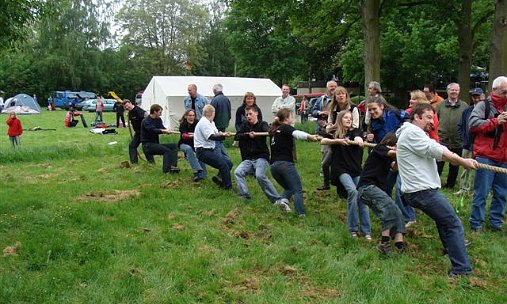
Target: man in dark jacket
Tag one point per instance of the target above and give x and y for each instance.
(222, 106)
(119, 109)
(151, 128)
(255, 155)
(466, 138)
(136, 116)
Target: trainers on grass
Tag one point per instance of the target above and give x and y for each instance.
(283, 203)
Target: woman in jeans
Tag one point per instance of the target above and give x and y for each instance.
(346, 166)
(282, 167)
(186, 144)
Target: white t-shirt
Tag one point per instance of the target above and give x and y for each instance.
(203, 130)
(416, 154)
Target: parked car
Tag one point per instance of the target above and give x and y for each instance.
(108, 105)
(82, 104)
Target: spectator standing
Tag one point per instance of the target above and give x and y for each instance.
(151, 128)
(284, 102)
(449, 113)
(119, 109)
(490, 147)
(15, 129)
(195, 101)
(135, 117)
(374, 91)
(465, 180)
(99, 109)
(222, 106)
(1, 101)
(248, 100)
(416, 154)
(432, 95)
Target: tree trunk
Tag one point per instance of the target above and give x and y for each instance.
(465, 39)
(370, 10)
(498, 48)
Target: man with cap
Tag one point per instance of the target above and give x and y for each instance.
(465, 182)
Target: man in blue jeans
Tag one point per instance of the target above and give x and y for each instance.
(255, 155)
(420, 183)
(490, 147)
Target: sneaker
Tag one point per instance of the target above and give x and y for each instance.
(384, 248)
(302, 215)
(217, 180)
(174, 170)
(477, 230)
(367, 237)
(410, 223)
(401, 249)
(353, 234)
(323, 187)
(283, 204)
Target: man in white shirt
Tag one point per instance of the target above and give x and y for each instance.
(420, 183)
(285, 102)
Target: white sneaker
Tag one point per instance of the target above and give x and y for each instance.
(283, 203)
(410, 223)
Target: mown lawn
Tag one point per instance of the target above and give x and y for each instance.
(92, 231)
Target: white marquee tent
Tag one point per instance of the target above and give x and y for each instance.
(169, 92)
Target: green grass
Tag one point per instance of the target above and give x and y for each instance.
(180, 242)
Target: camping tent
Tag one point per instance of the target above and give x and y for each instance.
(169, 92)
(21, 104)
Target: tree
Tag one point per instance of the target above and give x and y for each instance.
(370, 10)
(15, 15)
(498, 63)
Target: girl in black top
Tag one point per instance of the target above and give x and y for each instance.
(186, 144)
(346, 167)
(282, 160)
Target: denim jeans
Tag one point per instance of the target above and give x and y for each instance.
(197, 166)
(484, 181)
(219, 147)
(168, 150)
(383, 206)
(14, 141)
(215, 159)
(407, 211)
(256, 167)
(287, 176)
(435, 205)
(353, 218)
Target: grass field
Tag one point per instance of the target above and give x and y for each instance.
(90, 231)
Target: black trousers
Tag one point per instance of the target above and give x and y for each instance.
(453, 170)
(168, 150)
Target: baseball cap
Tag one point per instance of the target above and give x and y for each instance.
(477, 91)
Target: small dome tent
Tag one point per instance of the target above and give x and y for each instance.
(22, 104)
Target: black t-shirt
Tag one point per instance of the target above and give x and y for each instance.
(376, 168)
(347, 159)
(282, 144)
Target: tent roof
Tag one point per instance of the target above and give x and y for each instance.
(233, 86)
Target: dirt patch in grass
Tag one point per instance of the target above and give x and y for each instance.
(174, 184)
(177, 226)
(231, 217)
(12, 250)
(40, 178)
(109, 196)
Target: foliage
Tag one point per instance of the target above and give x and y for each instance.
(14, 15)
(91, 231)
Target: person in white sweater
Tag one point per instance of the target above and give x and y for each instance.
(416, 154)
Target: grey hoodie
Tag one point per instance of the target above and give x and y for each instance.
(416, 154)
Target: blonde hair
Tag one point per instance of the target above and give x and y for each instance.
(208, 110)
(419, 96)
(340, 129)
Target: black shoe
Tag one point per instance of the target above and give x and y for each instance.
(496, 229)
(323, 187)
(454, 275)
(198, 178)
(217, 180)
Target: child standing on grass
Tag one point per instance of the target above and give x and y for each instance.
(15, 129)
(372, 191)
(282, 135)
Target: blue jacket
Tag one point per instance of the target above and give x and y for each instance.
(464, 129)
(200, 102)
(222, 106)
(390, 122)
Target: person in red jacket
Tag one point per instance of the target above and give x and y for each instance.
(488, 123)
(15, 129)
(70, 122)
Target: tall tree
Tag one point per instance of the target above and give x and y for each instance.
(498, 63)
(370, 12)
(15, 15)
